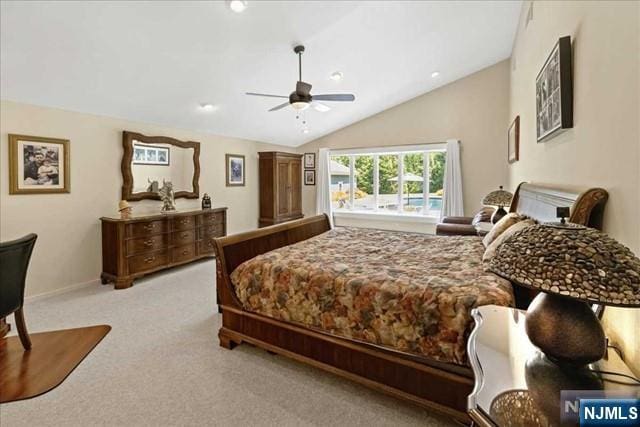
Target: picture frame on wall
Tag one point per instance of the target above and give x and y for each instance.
(38, 165)
(144, 154)
(310, 160)
(235, 169)
(513, 143)
(309, 177)
(554, 92)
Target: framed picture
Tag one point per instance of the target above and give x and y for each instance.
(38, 165)
(554, 92)
(513, 145)
(151, 155)
(309, 177)
(235, 170)
(310, 160)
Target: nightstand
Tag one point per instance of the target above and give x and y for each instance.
(515, 384)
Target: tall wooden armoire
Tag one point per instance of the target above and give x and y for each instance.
(280, 187)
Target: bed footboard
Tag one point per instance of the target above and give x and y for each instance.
(231, 251)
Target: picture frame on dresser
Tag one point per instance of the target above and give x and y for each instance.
(554, 92)
(39, 165)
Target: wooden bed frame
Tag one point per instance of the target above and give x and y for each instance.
(435, 385)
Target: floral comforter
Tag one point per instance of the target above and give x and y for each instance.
(411, 292)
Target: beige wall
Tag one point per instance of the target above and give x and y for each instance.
(473, 109)
(68, 249)
(603, 148)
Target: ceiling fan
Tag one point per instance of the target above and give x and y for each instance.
(301, 98)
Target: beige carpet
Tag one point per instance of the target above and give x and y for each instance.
(162, 365)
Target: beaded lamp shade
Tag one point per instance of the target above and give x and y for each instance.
(573, 261)
(497, 198)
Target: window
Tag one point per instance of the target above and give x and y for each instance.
(395, 180)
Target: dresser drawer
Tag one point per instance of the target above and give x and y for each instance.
(147, 244)
(183, 253)
(184, 222)
(148, 261)
(216, 230)
(207, 246)
(212, 218)
(138, 229)
(183, 237)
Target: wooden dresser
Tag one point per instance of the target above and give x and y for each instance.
(280, 187)
(141, 245)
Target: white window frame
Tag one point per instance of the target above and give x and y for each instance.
(400, 151)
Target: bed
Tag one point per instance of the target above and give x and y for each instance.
(389, 310)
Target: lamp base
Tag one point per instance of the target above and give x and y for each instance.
(498, 214)
(566, 330)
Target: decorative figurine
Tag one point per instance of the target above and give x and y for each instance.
(166, 195)
(125, 209)
(206, 201)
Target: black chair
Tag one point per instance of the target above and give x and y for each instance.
(14, 261)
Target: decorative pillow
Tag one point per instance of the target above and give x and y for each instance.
(505, 222)
(483, 215)
(491, 250)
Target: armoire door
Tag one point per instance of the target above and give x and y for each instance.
(296, 186)
(283, 187)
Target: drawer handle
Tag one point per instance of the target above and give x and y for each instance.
(185, 252)
(148, 243)
(150, 226)
(150, 259)
(184, 235)
(210, 243)
(185, 221)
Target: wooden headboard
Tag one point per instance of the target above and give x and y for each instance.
(540, 201)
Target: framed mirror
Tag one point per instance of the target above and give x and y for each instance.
(147, 161)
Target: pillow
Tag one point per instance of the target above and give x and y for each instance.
(491, 250)
(505, 222)
(483, 215)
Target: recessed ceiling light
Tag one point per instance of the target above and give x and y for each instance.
(305, 130)
(207, 107)
(336, 76)
(435, 74)
(238, 6)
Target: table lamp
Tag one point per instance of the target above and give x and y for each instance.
(572, 266)
(499, 198)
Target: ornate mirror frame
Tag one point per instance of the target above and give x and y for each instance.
(127, 157)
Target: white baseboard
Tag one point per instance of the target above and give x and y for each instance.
(61, 290)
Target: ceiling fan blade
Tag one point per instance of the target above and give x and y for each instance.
(265, 95)
(279, 107)
(303, 88)
(318, 106)
(335, 97)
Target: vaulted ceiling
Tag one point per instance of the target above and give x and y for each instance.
(156, 62)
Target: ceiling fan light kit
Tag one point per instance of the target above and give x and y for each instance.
(301, 98)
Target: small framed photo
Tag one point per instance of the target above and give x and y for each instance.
(513, 145)
(309, 177)
(235, 170)
(144, 154)
(310, 160)
(38, 165)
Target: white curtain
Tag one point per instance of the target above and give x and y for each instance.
(323, 185)
(452, 197)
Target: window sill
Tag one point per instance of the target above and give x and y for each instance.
(385, 216)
